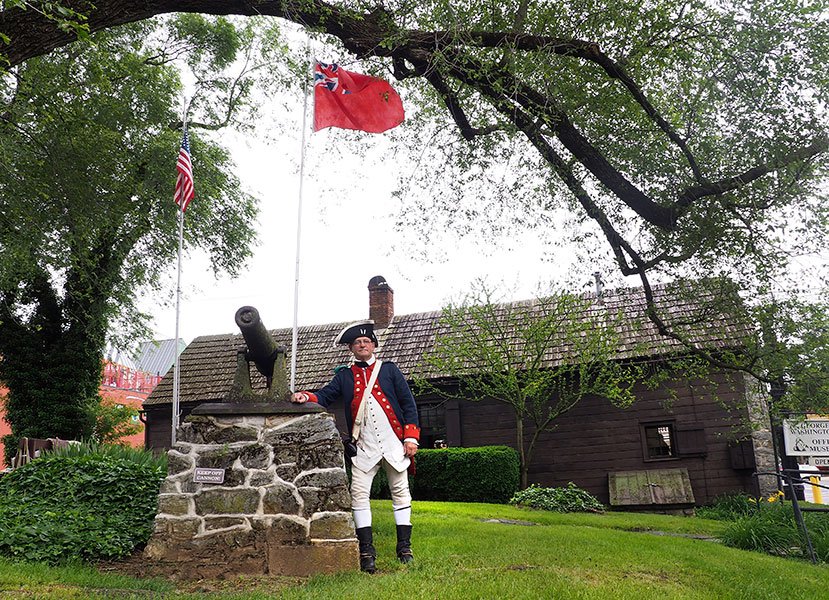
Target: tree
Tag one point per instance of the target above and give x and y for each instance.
(690, 136)
(113, 422)
(540, 358)
(88, 140)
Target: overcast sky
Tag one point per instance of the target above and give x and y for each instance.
(347, 238)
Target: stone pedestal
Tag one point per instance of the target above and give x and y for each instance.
(283, 509)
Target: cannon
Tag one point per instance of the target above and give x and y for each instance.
(262, 351)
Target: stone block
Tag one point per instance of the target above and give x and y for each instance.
(327, 478)
(231, 434)
(213, 523)
(188, 486)
(309, 559)
(220, 457)
(332, 526)
(170, 537)
(283, 456)
(281, 498)
(282, 529)
(176, 529)
(306, 430)
(221, 501)
(328, 454)
(261, 478)
(194, 428)
(255, 456)
(178, 462)
(169, 486)
(287, 471)
(178, 505)
(325, 500)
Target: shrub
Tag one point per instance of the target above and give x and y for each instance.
(83, 503)
(558, 499)
(729, 507)
(484, 474)
(772, 529)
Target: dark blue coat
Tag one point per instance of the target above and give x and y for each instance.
(394, 387)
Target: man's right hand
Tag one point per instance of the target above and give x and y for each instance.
(299, 397)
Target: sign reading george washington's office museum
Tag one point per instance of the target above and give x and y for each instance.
(806, 438)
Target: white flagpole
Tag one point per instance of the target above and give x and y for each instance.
(176, 378)
(294, 340)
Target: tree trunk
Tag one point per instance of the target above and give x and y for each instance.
(522, 457)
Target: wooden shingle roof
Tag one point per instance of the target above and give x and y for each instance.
(209, 362)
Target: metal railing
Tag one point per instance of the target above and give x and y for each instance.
(788, 479)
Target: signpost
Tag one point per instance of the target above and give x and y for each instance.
(202, 475)
(806, 438)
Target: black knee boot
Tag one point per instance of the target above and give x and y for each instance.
(367, 552)
(404, 544)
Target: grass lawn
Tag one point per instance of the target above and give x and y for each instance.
(461, 555)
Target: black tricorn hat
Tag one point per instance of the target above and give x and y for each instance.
(355, 330)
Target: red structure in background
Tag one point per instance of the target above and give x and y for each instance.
(5, 428)
(121, 385)
(124, 378)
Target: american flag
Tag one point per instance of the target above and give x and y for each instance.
(184, 184)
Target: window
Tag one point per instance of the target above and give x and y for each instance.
(432, 424)
(659, 441)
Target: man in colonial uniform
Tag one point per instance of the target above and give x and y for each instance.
(382, 416)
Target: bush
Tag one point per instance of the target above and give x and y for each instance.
(88, 504)
(772, 529)
(560, 499)
(729, 507)
(485, 474)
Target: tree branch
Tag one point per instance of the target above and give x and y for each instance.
(691, 194)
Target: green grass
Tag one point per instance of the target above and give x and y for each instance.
(460, 555)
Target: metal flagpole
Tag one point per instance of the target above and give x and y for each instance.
(294, 339)
(176, 379)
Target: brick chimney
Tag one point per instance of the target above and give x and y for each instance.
(380, 302)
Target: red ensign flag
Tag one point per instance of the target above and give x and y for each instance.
(354, 101)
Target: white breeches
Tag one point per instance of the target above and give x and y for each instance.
(401, 498)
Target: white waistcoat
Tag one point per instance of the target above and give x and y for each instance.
(378, 440)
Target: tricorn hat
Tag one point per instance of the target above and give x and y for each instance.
(355, 330)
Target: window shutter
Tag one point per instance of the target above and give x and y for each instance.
(691, 439)
(741, 454)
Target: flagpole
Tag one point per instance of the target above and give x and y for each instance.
(176, 377)
(176, 364)
(295, 336)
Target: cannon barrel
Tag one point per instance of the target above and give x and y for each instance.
(262, 350)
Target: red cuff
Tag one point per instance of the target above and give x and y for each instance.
(312, 397)
(411, 431)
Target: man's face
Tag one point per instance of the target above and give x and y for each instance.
(362, 348)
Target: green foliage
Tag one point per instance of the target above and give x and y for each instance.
(539, 357)
(485, 474)
(564, 499)
(114, 422)
(79, 504)
(728, 507)
(88, 145)
(128, 454)
(771, 528)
